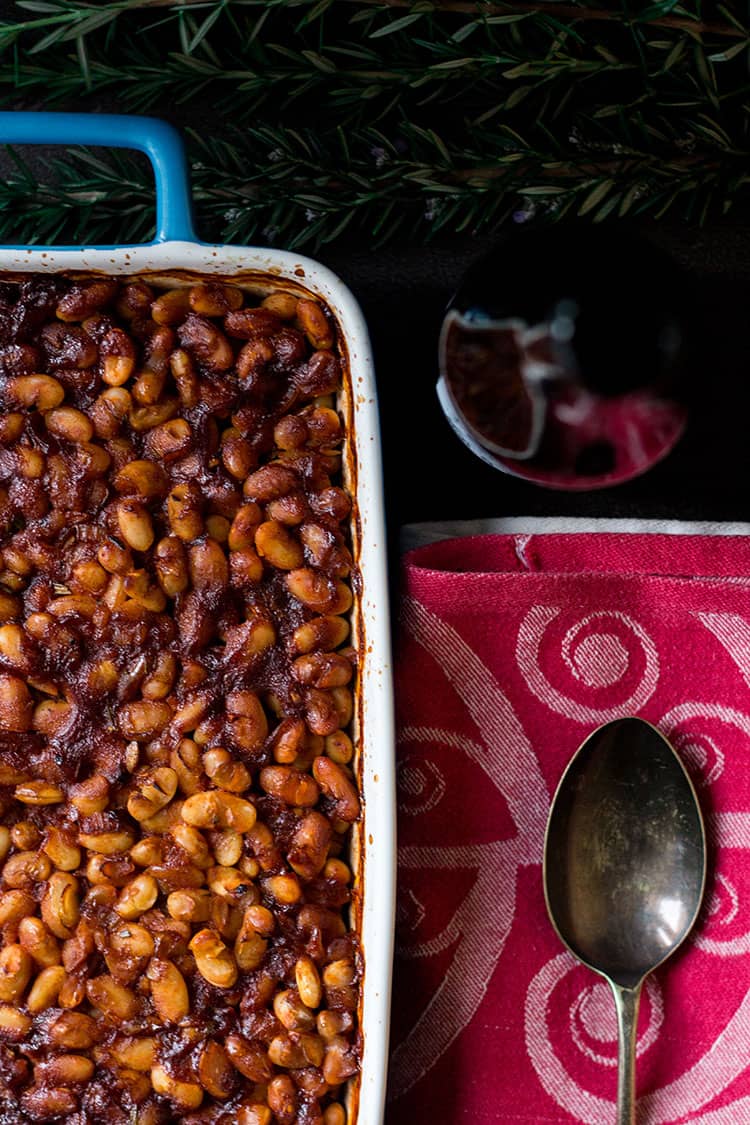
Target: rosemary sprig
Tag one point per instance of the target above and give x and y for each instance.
(387, 117)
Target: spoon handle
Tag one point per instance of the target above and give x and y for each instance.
(626, 1001)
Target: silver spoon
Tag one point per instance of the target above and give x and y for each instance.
(624, 867)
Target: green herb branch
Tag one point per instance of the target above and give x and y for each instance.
(312, 120)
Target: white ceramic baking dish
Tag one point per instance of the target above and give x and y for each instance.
(177, 256)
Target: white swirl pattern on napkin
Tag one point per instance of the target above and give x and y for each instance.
(596, 651)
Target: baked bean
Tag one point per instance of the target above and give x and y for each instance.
(116, 1003)
(185, 1095)
(248, 324)
(143, 719)
(70, 424)
(45, 991)
(135, 525)
(217, 809)
(283, 305)
(60, 904)
(144, 418)
(275, 543)
(38, 942)
(16, 705)
(338, 786)
(289, 785)
(41, 391)
(183, 510)
(248, 1058)
(326, 633)
(338, 747)
(168, 990)
(170, 560)
(90, 796)
(225, 772)
(14, 905)
(321, 712)
(190, 904)
(60, 848)
(135, 1052)
(215, 1071)
(282, 1099)
(186, 380)
(206, 342)
(214, 961)
(81, 301)
(25, 869)
(109, 411)
(171, 307)
(285, 889)
(143, 825)
(313, 322)
(108, 843)
(144, 479)
(308, 982)
(40, 792)
(118, 357)
(248, 725)
(322, 669)
(16, 967)
(243, 527)
(137, 897)
(309, 845)
(214, 299)
(155, 789)
(270, 482)
(209, 569)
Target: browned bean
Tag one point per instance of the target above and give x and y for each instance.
(171, 307)
(170, 561)
(326, 633)
(143, 719)
(144, 479)
(289, 785)
(116, 1003)
(81, 301)
(270, 482)
(184, 511)
(338, 786)
(212, 298)
(247, 324)
(206, 342)
(275, 543)
(208, 565)
(309, 845)
(248, 1058)
(314, 324)
(118, 357)
(215, 1071)
(16, 704)
(322, 669)
(42, 391)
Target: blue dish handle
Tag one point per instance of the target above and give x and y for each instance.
(160, 142)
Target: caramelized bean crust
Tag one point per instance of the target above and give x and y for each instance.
(176, 788)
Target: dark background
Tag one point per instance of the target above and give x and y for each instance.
(430, 475)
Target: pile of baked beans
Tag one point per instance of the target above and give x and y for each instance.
(176, 777)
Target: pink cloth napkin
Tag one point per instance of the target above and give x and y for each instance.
(512, 648)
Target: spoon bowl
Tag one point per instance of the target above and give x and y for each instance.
(624, 866)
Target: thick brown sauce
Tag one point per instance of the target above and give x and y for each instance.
(62, 519)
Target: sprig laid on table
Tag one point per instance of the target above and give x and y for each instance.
(394, 119)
